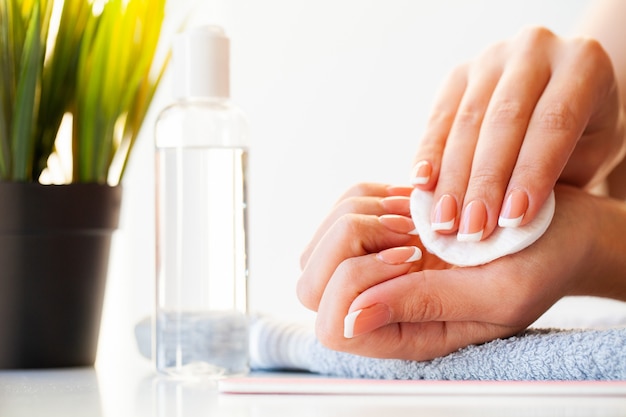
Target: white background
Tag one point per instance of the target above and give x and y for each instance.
(337, 92)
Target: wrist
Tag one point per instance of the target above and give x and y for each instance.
(603, 269)
(616, 180)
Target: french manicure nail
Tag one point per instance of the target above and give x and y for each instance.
(397, 223)
(398, 190)
(365, 320)
(397, 205)
(400, 255)
(514, 209)
(421, 173)
(445, 213)
(473, 222)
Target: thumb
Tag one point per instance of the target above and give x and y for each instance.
(429, 295)
(426, 314)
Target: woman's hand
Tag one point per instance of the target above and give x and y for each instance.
(507, 126)
(367, 219)
(374, 298)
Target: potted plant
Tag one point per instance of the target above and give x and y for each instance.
(76, 80)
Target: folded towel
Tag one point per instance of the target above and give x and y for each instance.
(534, 355)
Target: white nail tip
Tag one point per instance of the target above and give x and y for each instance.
(469, 237)
(419, 180)
(441, 226)
(348, 324)
(504, 222)
(503, 241)
(417, 255)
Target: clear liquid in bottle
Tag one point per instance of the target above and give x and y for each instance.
(201, 324)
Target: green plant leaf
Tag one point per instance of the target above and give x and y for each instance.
(118, 91)
(99, 67)
(58, 83)
(11, 23)
(138, 105)
(26, 100)
(137, 114)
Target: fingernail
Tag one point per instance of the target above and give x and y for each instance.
(472, 222)
(365, 320)
(400, 255)
(445, 213)
(397, 205)
(399, 190)
(398, 224)
(514, 209)
(421, 173)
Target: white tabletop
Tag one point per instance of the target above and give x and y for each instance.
(134, 390)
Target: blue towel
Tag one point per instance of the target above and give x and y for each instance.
(534, 355)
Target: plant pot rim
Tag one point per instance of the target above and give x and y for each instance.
(71, 184)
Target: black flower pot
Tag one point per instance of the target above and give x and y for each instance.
(54, 254)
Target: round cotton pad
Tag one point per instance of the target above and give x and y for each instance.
(503, 241)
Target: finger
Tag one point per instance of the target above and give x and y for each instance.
(427, 161)
(599, 99)
(502, 133)
(379, 329)
(365, 198)
(556, 125)
(370, 189)
(458, 154)
(349, 279)
(350, 236)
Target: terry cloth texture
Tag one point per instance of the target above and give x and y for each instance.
(534, 355)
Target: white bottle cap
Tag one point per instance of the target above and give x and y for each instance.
(200, 59)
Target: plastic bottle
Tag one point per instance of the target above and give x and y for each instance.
(201, 326)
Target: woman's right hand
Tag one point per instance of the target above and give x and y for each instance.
(507, 126)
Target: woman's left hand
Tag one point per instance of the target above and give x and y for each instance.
(376, 297)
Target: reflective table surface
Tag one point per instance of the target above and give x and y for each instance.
(135, 390)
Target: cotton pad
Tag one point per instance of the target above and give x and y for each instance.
(503, 241)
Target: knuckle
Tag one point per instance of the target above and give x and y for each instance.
(592, 54)
(469, 115)
(556, 117)
(431, 146)
(441, 116)
(347, 274)
(359, 190)
(485, 178)
(350, 232)
(430, 306)
(350, 205)
(307, 295)
(460, 71)
(531, 173)
(591, 50)
(505, 113)
(430, 310)
(349, 224)
(534, 36)
(432, 142)
(494, 53)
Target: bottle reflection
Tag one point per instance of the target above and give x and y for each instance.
(187, 398)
